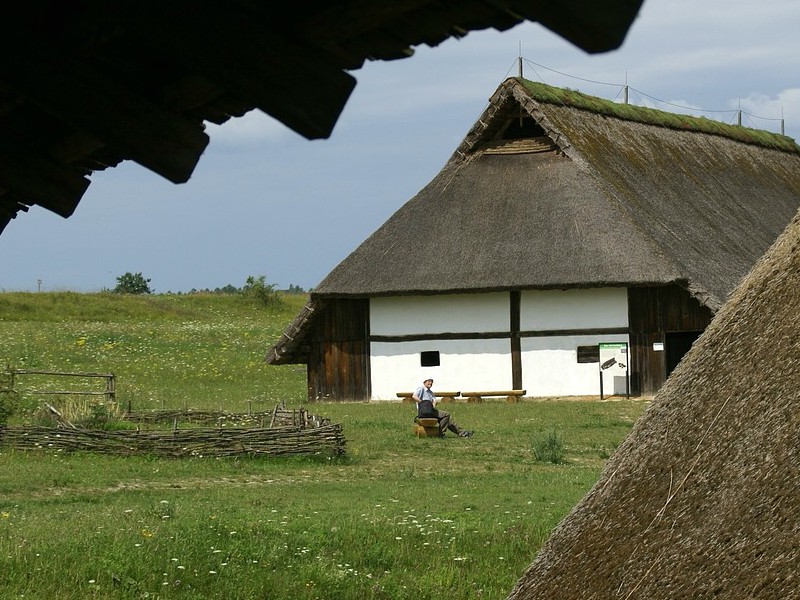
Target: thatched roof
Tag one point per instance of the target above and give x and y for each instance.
(86, 85)
(604, 195)
(556, 189)
(702, 500)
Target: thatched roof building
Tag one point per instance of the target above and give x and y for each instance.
(703, 498)
(552, 189)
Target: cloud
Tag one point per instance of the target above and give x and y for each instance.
(254, 127)
(761, 107)
(724, 57)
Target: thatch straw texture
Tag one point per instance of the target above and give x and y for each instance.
(703, 498)
(501, 222)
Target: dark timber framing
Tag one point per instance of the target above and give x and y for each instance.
(653, 312)
(339, 350)
(516, 345)
(338, 358)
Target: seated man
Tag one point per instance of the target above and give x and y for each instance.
(426, 408)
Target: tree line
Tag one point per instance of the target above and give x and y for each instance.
(255, 287)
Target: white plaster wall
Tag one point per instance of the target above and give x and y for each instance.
(466, 365)
(451, 313)
(550, 365)
(573, 309)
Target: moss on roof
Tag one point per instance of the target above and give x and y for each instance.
(558, 96)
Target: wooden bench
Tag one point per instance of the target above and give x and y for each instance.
(440, 396)
(510, 395)
(426, 427)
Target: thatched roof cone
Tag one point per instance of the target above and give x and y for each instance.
(702, 500)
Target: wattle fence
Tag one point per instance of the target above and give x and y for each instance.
(290, 433)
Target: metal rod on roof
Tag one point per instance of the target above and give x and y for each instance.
(519, 63)
(625, 89)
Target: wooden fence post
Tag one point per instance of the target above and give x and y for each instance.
(111, 387)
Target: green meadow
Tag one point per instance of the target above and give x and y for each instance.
(397, 517)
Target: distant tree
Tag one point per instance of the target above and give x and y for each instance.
(258, 290)
(228, 289)
(295, 289)
(132, 283)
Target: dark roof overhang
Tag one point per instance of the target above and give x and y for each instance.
(86, 85)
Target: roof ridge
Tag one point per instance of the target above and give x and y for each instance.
(548, 94)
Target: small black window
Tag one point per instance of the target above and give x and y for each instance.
(525, 128)
(588, 354)
(429, 358)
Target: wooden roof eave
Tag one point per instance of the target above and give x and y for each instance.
(704, 297)
(290, 347)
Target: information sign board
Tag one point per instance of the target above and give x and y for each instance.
(614, 369)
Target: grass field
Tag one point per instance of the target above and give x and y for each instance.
(398, 517)
(205, 350)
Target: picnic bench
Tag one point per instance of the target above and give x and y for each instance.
(440, 396)
(510, 395)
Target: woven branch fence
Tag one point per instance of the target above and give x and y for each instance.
(274, 441)
(290, 433)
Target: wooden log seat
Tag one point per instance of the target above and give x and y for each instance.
(511, 396)
(426, 427)
(440, 396)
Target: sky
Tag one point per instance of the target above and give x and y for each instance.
(263, 200)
